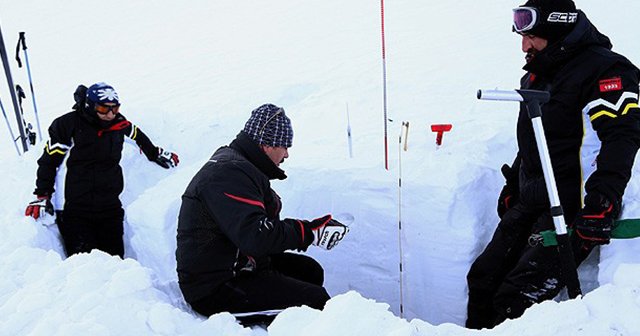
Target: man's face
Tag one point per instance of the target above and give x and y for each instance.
(531, 45)
(107, 112)
(276, 154)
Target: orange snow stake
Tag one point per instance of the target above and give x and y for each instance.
(440, 129)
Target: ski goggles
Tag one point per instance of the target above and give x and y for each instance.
(524, 19)
(104, 109)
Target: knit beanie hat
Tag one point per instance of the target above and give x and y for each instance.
(268, 125)
(556, 18)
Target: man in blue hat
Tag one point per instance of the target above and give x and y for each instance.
(91, 137)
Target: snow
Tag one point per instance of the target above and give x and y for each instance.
(189, 74)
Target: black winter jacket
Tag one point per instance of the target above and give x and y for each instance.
(229, 220)
(593, 113)
(93, 179)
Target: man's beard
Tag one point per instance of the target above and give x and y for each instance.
(531, 54)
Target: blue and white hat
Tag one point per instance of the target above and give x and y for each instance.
(268, 125)
(102, 93)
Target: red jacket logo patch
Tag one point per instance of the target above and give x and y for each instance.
(611, 84)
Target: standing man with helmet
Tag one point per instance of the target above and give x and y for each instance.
(231, 241)
(91, 136)
(592, 127)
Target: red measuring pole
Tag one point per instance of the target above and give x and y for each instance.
(384, 88)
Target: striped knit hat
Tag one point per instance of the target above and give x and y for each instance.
(268, 125)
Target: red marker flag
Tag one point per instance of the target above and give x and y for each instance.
(440, 129)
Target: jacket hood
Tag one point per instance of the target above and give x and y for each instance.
(553, 57)
(250, 150)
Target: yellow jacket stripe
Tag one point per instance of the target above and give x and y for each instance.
(628, 107)
(56, 148)
(134, 132)
(602, 113)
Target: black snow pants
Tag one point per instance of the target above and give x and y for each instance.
(293, 280)
(82, 232)
(515, 271)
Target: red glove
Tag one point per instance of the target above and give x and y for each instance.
(167, 159)
(39, 207)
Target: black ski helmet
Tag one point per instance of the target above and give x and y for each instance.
(556, 18)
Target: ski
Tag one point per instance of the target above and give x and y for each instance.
(7, 72)
(22, 42)
(13, 138)
(28, 128)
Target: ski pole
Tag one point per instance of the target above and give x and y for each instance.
(533, 100)
(7, 72)
(22, 41)
(13, 138)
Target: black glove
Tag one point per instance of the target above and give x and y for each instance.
(595, 220)
(510, 194)
(166, 159)
(326, 232)
(39, 207)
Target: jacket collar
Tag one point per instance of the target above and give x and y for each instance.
(252, 152)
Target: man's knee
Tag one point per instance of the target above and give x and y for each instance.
(315, 271)
(316, 297)
(300, 267)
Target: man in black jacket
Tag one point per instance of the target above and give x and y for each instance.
(592, 126)
(231, 240)
(91, 137)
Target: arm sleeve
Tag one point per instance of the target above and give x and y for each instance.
(615, 116)
(143, 141)
(236, 203)
(55, 149)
